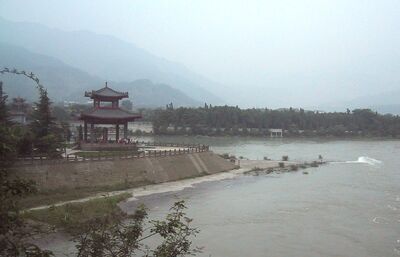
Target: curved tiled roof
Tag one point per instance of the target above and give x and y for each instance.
(106, 92)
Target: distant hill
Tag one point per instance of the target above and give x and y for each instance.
(68, 83)
(106, 57)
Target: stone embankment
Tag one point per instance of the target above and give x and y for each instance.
(151, 169)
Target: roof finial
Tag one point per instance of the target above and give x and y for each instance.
(106, 83)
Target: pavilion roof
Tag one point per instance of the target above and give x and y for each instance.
(109, 114)
(106, 92)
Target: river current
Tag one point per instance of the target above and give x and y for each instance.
(349, 207)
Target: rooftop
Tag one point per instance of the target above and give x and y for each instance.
(109, 113)
(106, 92)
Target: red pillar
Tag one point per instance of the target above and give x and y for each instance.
(85, 131)
(92, 133)
(126, 130)
(117, 132)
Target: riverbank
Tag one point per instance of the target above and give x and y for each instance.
(347, 202)
(247, 167)
(67, 181)
(267, 137)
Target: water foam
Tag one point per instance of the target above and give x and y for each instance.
(366, 160)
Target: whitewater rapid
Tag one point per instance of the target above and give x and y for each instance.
(362, 160)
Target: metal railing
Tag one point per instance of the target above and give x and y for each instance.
(180, 149)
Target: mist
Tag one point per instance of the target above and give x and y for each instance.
(311, 54)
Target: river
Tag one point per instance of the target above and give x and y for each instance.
(349, 207)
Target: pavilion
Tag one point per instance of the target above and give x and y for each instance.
(106, 110)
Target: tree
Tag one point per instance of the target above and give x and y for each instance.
(121, 235)
(127, 105)
(47, 137)
(13, 229)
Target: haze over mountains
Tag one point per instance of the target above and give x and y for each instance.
(69, 62)
(66, 83)
(74, 61)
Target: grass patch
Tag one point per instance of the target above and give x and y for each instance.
(71, 216)
(68, 194)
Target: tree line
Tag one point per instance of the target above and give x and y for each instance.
(229, 120)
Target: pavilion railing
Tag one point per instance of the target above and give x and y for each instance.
(179, 149)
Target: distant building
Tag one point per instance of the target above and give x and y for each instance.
(18, 110)
(276, 132)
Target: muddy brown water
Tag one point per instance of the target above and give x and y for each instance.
(350, 207)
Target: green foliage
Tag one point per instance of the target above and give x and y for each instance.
(47, 137)
(225, 155)
(13, 229)
(124, 235)
(228, 120)
(72, 216)
(175, 232)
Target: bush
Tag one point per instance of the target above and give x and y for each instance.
(294, 167)
(314, 164)
(281, 165)
(285, 158)
(256, 169)
(225, 155)
(303, 166)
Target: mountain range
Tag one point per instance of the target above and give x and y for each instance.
(77, 60)
(66, 83)
(69, 62)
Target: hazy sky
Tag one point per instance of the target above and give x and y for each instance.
(334, 50)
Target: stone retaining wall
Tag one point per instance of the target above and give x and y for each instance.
(139, 171)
